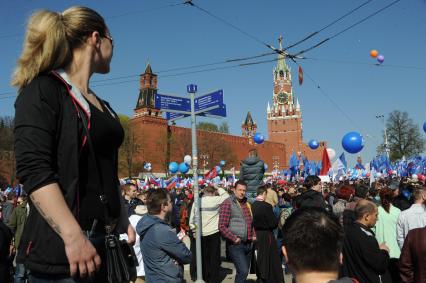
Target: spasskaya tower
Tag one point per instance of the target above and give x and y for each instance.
(284, 116)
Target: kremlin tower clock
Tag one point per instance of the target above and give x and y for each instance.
(284, 116)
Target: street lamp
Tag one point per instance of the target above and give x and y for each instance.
(276, 162)
(382, 118)
(204, 158)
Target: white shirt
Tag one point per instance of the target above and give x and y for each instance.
(134, 219)
(210, 206)
(412, 218)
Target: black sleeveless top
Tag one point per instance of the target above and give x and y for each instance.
(107, 135)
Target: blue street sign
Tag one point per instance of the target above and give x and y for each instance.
(191, 88)
(209, 100)
(169, 102)
(221, 111)
(218, 112)
(174, 116)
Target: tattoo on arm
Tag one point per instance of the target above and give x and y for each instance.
(48, 219)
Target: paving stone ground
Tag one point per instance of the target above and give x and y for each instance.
(227, 269)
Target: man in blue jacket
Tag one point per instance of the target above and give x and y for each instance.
(163, 253)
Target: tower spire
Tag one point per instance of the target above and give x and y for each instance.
(281, 65)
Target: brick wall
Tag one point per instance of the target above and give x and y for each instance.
(152, 132)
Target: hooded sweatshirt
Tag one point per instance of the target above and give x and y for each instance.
(163, 253)
(252, 170)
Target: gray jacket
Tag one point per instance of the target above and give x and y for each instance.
(251, 171)
(163, 253)
(237, 223)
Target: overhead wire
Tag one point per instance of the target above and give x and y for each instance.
(112, 81)
(145, 10)
(111, 17)
(192, 66)
(325, 94)
(7, 97)
(328, 25)
(255, 38)
(348, 28)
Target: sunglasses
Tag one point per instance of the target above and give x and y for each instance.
(110, 39)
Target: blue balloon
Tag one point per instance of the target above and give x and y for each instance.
(183, 168)
(258, 138)
(313, 144)
(218, 169)
(265, 166)
(353, 142)
(173, 167)
(424, 127)
(222, 163)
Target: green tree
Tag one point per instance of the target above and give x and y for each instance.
(224, 127)
(207, 126)
(128, 148)
(7, 151)
(212, 127)
(404, 137)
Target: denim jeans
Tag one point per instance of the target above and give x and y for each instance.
(241, 255)
(21, 273)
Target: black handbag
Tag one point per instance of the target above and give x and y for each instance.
(121, 260)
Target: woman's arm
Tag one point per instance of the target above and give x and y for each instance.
(81, 254)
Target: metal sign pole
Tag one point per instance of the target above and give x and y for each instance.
(192, 89)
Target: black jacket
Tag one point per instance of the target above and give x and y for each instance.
(5, 261)
(48, 139)
(310, 198)
(252, 171)
(362, 257)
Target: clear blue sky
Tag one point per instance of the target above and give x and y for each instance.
(180, 36)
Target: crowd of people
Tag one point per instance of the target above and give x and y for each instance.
(376, 230)
(368, 233)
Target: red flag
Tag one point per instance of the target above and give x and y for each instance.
(172, 185)
(300, 75)
(211, 174)
(326, 164)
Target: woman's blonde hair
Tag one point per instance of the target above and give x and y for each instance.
(50, 39)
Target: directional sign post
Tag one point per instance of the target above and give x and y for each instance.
(191, 90)
(170, 103)
(170, 116)
(177, 107)
(209, 100)
(220, 111)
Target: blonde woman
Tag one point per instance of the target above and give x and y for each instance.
(63, 240)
